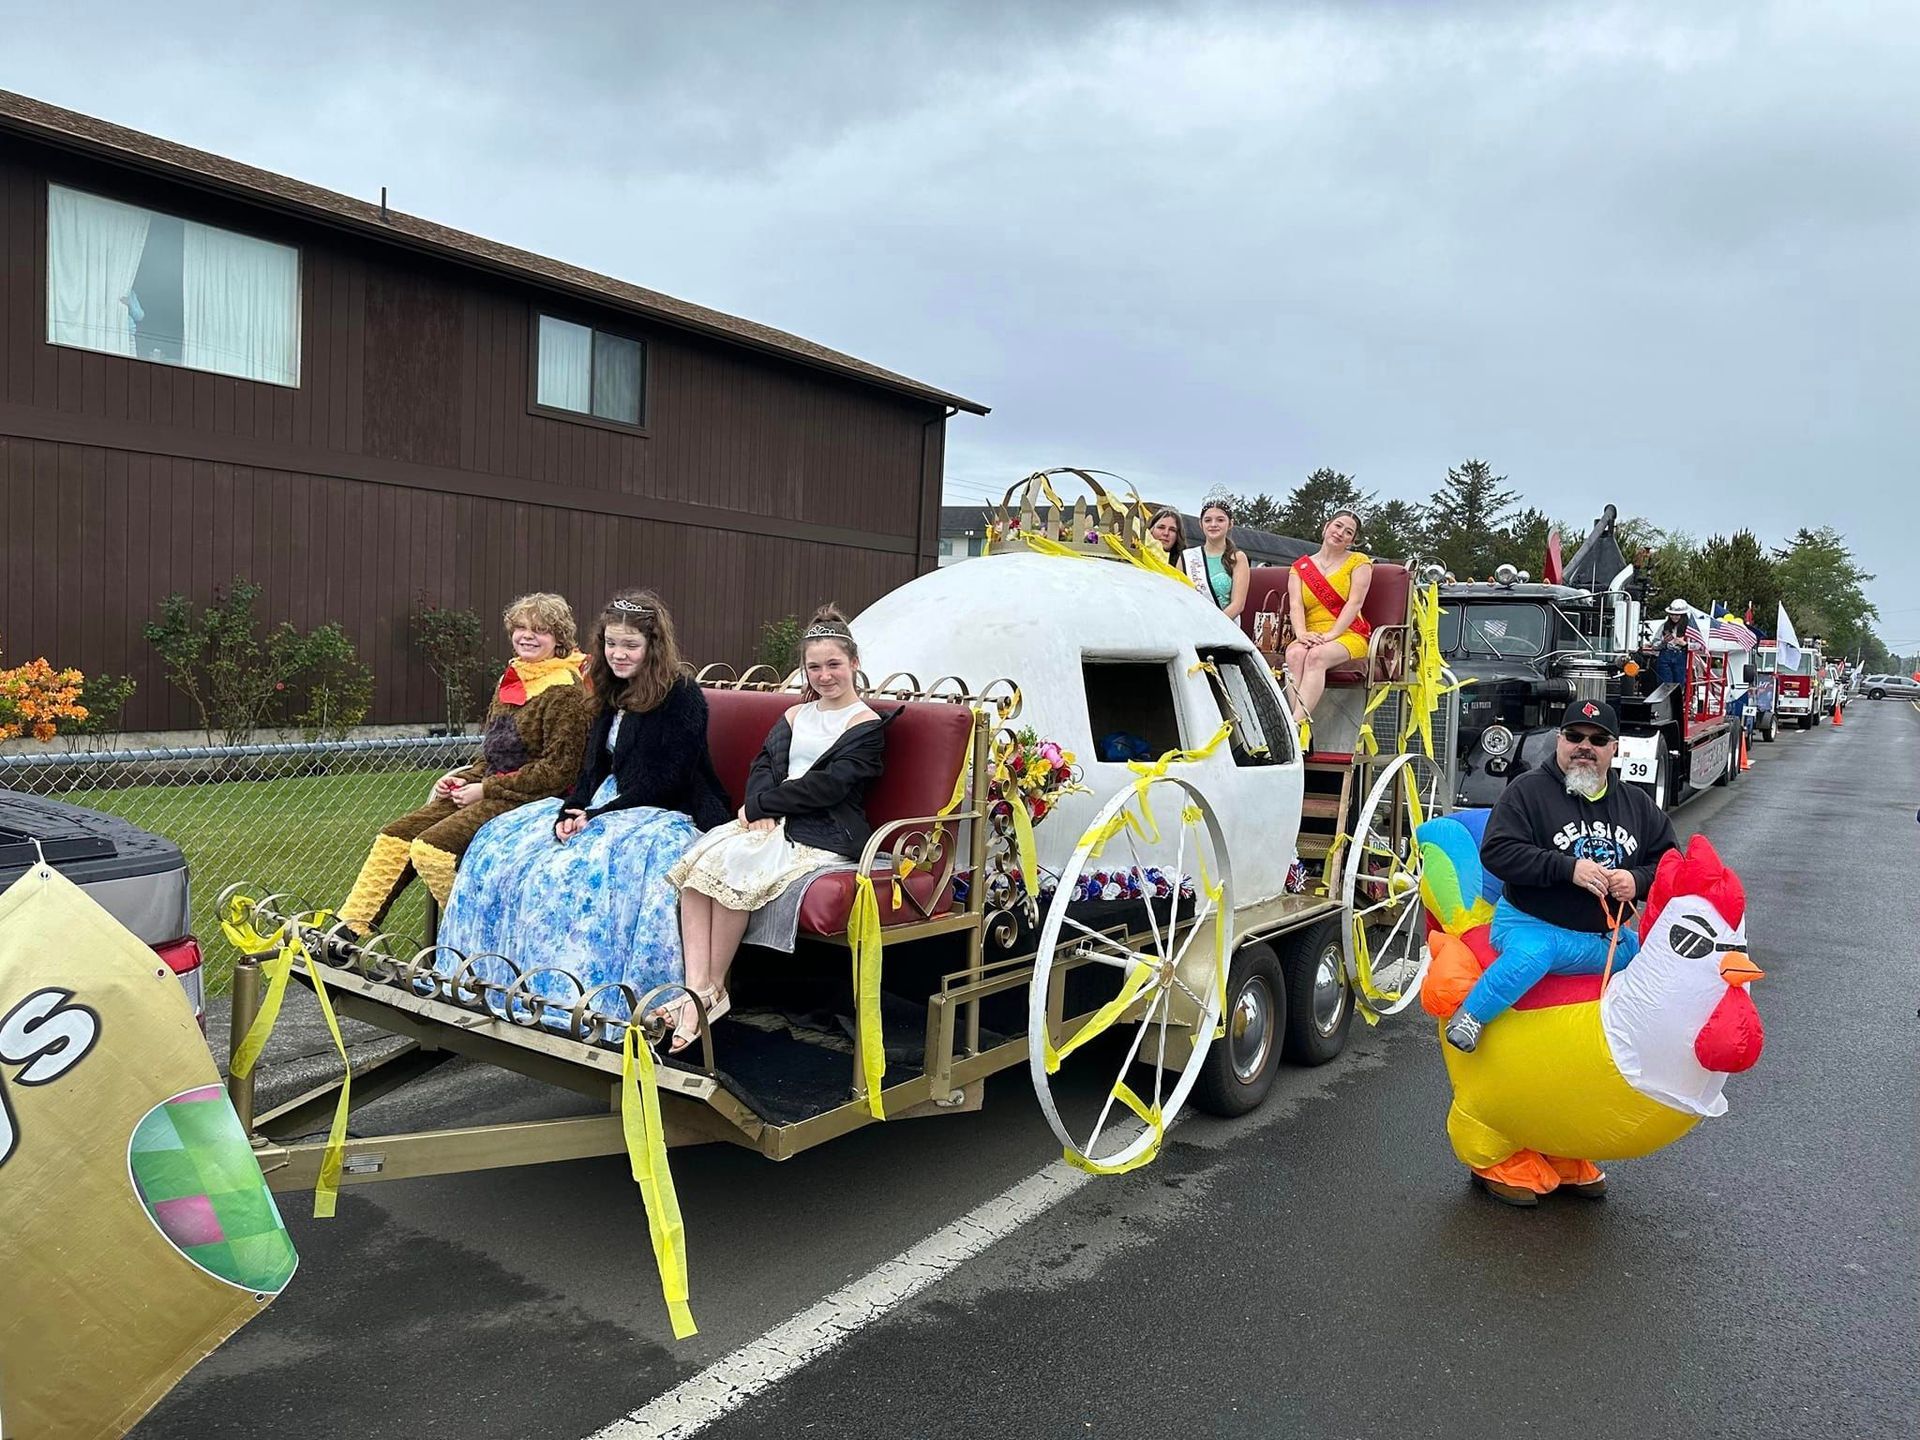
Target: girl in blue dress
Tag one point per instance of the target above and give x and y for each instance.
(580, 884)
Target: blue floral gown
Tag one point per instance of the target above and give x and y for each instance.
(599, 907)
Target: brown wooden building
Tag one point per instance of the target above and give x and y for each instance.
(207, 370)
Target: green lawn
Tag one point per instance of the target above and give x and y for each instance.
(307, 835)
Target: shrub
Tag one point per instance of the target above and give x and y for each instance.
(239, 680)
(780, 644)
(38, 700)
(104, 698)
(455, 644)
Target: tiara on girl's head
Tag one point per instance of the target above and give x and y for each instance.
(828, 630)
(631, 607)
(1218, 495)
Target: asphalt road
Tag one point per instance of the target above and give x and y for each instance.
(1318, 1269)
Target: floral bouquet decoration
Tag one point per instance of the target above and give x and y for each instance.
(1030, 776)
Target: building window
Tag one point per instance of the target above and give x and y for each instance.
(590, 372)
(129, 281)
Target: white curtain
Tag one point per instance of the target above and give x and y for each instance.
(93, 253)
(616, 379)
(566, 366)
(241, 301)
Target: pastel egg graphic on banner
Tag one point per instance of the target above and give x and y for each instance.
(196, 1175)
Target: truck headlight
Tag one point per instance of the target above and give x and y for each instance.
(1496, 740)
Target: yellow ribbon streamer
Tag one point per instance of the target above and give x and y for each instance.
(1100, 1021)
(863, 938)
(326, 1193)
(255, 1040)
(646, 1141)
(1148, 1113)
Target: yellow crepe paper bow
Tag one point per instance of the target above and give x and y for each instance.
(1148, 1113)
(641, 1128)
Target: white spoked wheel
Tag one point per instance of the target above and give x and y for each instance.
(1384, 928)
(1162, 975)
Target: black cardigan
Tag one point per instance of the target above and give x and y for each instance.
(660, 759)
(822, 807)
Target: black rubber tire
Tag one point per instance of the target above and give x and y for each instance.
(1732, 769)
(1876, 694)
(1772, 726)
(1307, 1043)
(1220, 1089)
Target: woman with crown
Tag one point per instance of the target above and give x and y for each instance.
(1325, 591)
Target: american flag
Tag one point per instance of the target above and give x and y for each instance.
(1696, 637)
(1730, 629)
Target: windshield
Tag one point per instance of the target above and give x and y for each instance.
(1501, 630)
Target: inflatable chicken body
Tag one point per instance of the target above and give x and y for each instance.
(1572, 1075)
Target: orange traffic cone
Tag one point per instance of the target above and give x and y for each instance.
(1745, 763)
(1836, 713)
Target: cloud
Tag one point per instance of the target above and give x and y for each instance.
(1658, 254)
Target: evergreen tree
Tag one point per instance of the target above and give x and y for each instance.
(1393, 530)
(1738, 570)
(1824, 590)
(1306, 509)
(1467, 520)
(1261, 512)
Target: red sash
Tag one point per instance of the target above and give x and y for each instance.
(1324, 592)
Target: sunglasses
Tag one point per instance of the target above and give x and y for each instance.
(1597, 738)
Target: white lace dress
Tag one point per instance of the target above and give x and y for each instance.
(743, 869)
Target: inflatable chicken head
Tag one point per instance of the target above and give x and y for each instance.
(1679, 1018)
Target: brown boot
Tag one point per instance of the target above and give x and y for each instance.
(1516, 1195)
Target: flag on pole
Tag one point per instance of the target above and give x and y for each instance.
(1553, 570)
(1729, 629)
(1787, 641)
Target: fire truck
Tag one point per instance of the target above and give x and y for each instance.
(1797, 690)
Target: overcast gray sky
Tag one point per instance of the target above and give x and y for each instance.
(1660, 254)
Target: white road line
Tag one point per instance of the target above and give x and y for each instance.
(732, 1380)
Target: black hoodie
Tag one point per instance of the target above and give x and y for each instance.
(1538, 829)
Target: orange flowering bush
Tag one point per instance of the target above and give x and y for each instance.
(35, 698)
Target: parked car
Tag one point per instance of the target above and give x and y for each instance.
(137, 877)
(1900, 687)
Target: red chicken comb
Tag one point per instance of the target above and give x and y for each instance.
(1696, 870)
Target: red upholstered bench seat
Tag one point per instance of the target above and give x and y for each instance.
(1386, 604)
(927, 747)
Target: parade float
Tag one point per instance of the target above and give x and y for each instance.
(1102, 856)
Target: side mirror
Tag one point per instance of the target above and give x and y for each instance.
(1746, 677)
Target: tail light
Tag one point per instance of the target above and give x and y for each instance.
(183, 958)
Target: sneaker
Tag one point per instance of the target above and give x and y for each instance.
(1589, 1190)
(1517, 1196)
(1463, 1031)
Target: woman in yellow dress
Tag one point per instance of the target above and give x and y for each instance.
(1325, 591)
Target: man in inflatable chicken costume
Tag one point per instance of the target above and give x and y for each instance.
(1594, 1066)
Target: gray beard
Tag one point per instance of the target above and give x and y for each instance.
(1586, 781)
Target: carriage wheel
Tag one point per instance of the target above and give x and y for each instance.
(1162, 977)
(1383, 929)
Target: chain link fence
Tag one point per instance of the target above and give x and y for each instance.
(291, 817)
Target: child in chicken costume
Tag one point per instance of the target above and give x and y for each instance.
(1574, 1074)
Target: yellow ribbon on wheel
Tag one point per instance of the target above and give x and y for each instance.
(647, 1156)
(1148, 1113)
(1100, 1021)
(863, 938)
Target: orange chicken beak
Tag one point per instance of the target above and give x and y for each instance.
(1736, 969)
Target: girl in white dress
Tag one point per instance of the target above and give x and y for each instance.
(802, 811)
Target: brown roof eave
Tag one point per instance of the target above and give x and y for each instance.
(393, 234)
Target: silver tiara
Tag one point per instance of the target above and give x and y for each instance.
(827, 630)
(1218, 495)
(631, 607)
